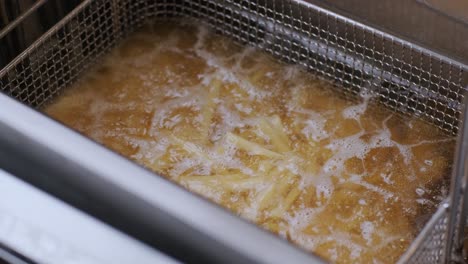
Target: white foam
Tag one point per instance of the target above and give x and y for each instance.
(367, 229)
(354, 111)
(420, 191)
(314, 128)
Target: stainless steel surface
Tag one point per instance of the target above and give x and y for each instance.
(430, 23)
(404, 76)
(455, 9)
(458, 195)
(52, 232)
(9, 257)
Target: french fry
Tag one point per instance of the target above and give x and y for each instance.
(265, 197)
(251, 147)
(243, 184)
(276, 136)
(213, 178)
(189, 147)
(158, 165)
(273, 226)
(284, 183)
(287, 202)
(291, 197)
(265, 167)
(209, 107)
(276, 123)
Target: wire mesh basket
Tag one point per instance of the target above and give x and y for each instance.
(407, 78)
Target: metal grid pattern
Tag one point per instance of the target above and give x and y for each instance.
(433, 249)
(404, 77)
(54, 62)
(429, 246)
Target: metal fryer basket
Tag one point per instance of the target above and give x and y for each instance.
(406, 77)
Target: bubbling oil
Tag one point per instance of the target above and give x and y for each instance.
(347, 180)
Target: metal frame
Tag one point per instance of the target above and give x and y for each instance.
(406, 78)
(53, 232)
(9, 256)
(458, 203)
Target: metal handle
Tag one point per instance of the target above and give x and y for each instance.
(459, 196)
(21, 18)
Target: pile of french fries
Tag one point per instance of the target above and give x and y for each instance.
(347, 180)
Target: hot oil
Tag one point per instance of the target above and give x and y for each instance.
(349, 181)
